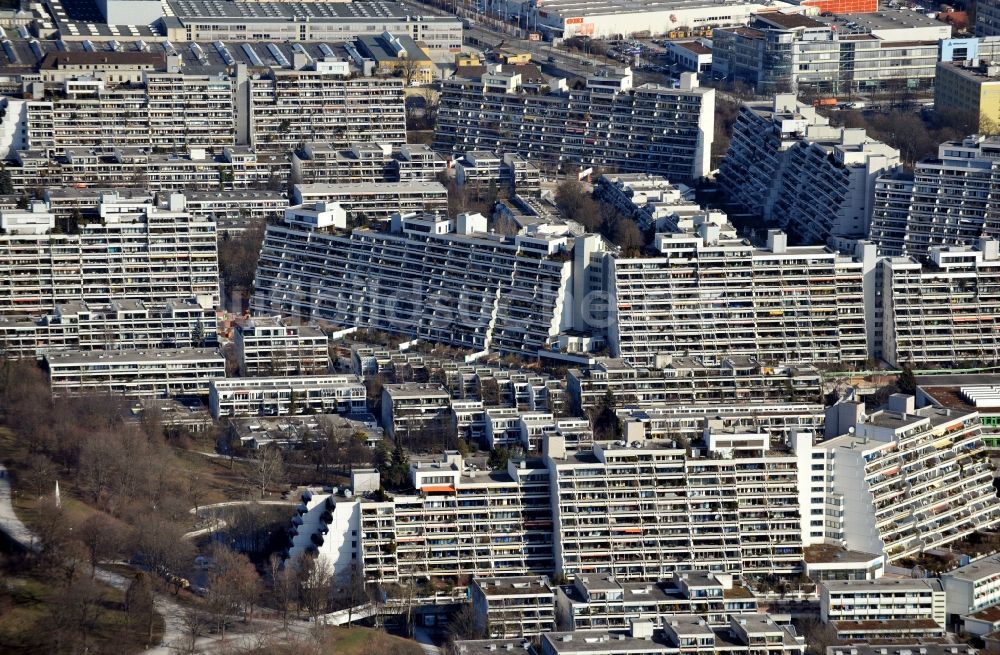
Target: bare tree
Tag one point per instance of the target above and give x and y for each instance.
(102, 536)
(315, 575)
(267, 467)
(233, 586)
(283, 586)
(139, 604)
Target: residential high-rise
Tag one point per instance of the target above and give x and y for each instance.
(138, 250)
(609, 122)
(902, 482)
(787, 165)
(943, 308)
(947, 202)
(712, 295)
(446, 280)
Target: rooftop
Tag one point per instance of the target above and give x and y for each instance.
(828, 554)
(77, 358)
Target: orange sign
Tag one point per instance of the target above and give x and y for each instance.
(574, 21)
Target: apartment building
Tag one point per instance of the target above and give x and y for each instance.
(971, 393)
(461, 522)
(376, 201)
(122, 324)
(680, 633)
(449, 281)
(516, 606)
(903, 482)
(509, 171)
(944, 203)
(972, 587)
(686, 423)
(885, 608)
(236, 211)
(328, 526)
(273, 346)
(912, 648)
(138, 250)
(295, 432)
(164, 372)
(644, 510)
(780, 52)
(687, 381)
(944, 308)
(712, 296)
(595, 602)
(234, 168)
(650, 200)
(366, 163)
(610, 123)
(326, 105)
(280, 396)
(970, 89)
(787, 165)
(411, 408)
(509, 427)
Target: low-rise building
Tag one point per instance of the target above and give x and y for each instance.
(516, 606)
(376, 200)
(280, 396)
(165, 372)
(908, 608)
(409, 409)
(273, 346)
(973, 587)
(596, 602)
(371, 163)
(291, 432)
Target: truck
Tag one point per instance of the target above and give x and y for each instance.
(825, 102)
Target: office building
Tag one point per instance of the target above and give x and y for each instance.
(680, 382)
(904, 482)
(122, 324)
(885, 608)
(138, 250)
(599, 20)
(709, 294)
(516, 606)
(942, 309)
(272, 346)
(446, 280)
(780, 52)
(609, 123)
(280, 396)
(943, 203)
(971, 90)
(165, 372)
(987, 18)
(787, 165)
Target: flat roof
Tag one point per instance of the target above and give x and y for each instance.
(829, 554)
(520, 585)
(788, 21)
(284, 12)
(583, 8)
(880, 20)
(977, 570)
(882, 584)
(77, 357)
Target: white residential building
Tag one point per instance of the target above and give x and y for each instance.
(884, 608)
(901, 482)
(973, 587)
(138, 250)
(161, 373)
(647, 128)
(787, 164)
(714, 296)
(272, 346)
(513, 606)
(376, 200)
(944, 308)
(278, 396)
(945, 202)
(445, 280)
